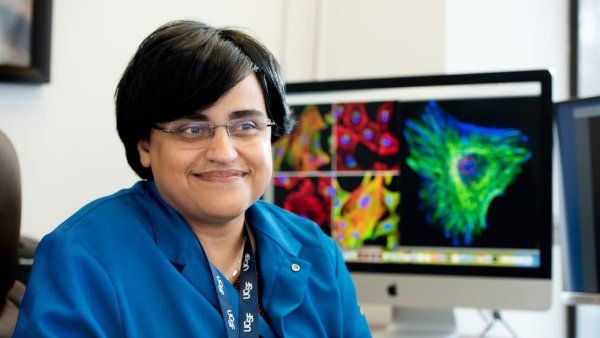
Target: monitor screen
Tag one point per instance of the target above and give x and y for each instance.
(440, 175)
(579, 134)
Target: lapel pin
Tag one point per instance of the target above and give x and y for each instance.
(295, 267)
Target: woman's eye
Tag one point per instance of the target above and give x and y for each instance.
(245, 126)
(193, 130)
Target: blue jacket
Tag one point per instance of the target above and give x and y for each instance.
(128, 265)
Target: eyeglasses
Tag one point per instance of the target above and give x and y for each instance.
(243, 131)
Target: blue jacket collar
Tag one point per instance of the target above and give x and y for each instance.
(172, 234)
(267, 228)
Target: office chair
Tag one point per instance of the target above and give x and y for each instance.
(10, 223)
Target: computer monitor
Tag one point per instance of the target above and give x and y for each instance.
(578, 123)
(436, 188)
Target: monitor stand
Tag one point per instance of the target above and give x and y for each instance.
(421, 323)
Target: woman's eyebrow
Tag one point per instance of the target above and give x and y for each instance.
(200, 116)
(245, 113)
(197, 116)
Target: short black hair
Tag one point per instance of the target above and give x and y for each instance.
(185, 67)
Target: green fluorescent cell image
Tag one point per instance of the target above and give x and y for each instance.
(462, 169)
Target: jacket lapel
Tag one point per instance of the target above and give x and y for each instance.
(288, 289)
(197, 272)
(179, 244)
(284, 275)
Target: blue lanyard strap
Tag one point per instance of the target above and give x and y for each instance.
(247, 323)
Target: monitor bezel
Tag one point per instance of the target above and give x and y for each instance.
(544, 77)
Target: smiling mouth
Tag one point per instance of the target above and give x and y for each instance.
(221, 176)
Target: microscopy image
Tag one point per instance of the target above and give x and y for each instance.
(359, 139)
(366, 136)
(308, 197)
(308, 148)
(462, 168)
(365, 211)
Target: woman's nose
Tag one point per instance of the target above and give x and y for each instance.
(221, 147)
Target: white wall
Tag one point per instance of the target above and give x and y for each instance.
(381, 38)
(337, 39)
(499, 35)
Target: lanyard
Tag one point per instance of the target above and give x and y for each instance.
(247, 324)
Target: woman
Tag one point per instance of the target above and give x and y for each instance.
(190, 251)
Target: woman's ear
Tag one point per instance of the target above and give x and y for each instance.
(143, 147)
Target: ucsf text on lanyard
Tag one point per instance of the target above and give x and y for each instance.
(246, 324)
